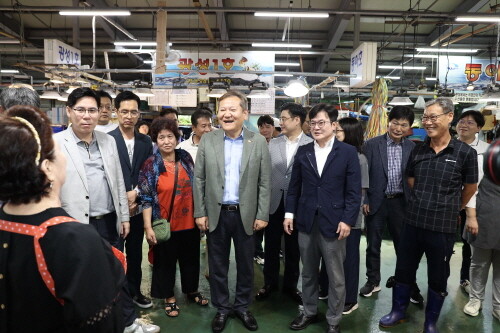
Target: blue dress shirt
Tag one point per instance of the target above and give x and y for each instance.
(233, 151)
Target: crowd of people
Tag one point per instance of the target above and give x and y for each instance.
(76, 201)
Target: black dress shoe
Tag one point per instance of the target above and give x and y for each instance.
(219, 322)
(247, 319)
(294, 293)
(333, 329)
(264, 292)
(302, 321)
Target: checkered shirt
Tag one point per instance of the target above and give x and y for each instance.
(439, 178)
(394, 174)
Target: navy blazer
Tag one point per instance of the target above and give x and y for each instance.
(143, 148)
(375, 151)
(335, 196)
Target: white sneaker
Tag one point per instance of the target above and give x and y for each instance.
(465, 284)
(472, 307)
(140, 325)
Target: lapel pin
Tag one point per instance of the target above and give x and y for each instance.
(249, 140)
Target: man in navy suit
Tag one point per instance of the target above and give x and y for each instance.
(323, 197)
(385, 202)
(133, 149)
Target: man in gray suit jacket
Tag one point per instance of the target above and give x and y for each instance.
(231, 200)
(282, 150)
(94, 191)
(385, 202)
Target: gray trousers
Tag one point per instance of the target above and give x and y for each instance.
(481, 261)
(312, 247)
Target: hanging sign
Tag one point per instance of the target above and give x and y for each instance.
(247, 62)
(364, 65)
(57, 52)
(457, 71)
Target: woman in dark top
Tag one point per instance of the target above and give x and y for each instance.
(156, 185)
(81, 276)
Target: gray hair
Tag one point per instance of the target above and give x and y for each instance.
(19, 95)
(236, 93)
(444, 102)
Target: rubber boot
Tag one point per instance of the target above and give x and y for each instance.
(432, 310)
(400, 300)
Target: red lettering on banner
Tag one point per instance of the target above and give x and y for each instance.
(472, 71)
(227, 63)
(185, 63)
(202, 64)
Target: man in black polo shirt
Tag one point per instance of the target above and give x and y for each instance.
(442, 173)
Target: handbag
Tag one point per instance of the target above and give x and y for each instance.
(161, 227)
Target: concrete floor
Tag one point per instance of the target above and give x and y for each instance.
(276, 313)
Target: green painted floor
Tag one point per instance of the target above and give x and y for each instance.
(276, 313)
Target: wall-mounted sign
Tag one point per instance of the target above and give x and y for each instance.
(263, 105)
(220, 62)
(457, 71)
(57, 52)
(364, 65)
(174, 97)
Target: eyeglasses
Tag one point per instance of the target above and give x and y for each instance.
(133, 113)
(283, 119)
(432, 118)
(320, 123)
(339, 130)
(403, 126)
(467, 122)
(82, 111)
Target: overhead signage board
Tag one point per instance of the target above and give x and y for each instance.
(364, 65)
(247, 62)
(57, 52)
(458, 71)
(174, 97)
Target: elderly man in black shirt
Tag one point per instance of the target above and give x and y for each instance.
(442, 173)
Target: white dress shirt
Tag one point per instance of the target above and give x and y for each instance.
(480, 147)
(291, 147)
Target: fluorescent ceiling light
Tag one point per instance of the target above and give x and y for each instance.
(446, 50)
(9, 71)
(292, 14)
(295, 52)
(287, 75)
(9, 41)
(290, 64)
(137, 43)
(478, 19)
(401, 67)
(388, 77)
(92, 12)
(430, 56)
(308, 46)
(431, 78)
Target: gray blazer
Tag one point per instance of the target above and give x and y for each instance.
(375, 151)
(255, 179)
(75, 193)
(280, 173)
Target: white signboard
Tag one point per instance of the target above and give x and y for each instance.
(174, 97)
(263, 105)
(364, 65)
(57, 52)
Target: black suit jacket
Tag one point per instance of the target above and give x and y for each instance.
(375, 151)
(143, 148)
(335, 196)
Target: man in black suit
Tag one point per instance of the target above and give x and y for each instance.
(323, 197)
(133, 149)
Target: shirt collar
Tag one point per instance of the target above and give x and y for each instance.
(77, 139)
(328, 144)
(297, 139)
(239, 138)
(390, 141)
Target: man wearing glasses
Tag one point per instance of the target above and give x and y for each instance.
(323, 203)
(387, 196)
(282, 150)
(133, 148)
(442, 174)
(104, 123)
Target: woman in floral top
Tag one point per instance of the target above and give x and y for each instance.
(156, 182)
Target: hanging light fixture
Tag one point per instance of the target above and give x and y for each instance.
(401, 97)
(50, 94)
(296, 88)
(63, 97)
(217, 88)
(258, 90)
(143, 92)
(420, 103)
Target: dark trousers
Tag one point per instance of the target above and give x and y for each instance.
(133, 249)
(351, 268)
(259, 236)
(106, 228)
(272, 246)
(438, 248)
(390, 213)
(466, 252)
(230, 227)
(183, 247)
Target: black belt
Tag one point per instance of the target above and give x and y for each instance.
(101, 217)
(394, 195)
(230, 207)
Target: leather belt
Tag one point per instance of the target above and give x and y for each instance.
(230, 207)
(394, 195)
(100, 217)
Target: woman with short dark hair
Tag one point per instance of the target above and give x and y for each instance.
(56, 275)
(169, 172)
